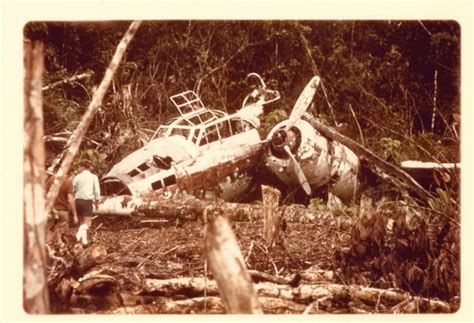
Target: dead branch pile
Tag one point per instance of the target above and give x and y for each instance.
(418, 255)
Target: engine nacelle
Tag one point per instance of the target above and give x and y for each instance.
(323, 162)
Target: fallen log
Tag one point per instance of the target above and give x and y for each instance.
(197, 305)
(96, 282)
(89, 257)
(307, 293)
(186, 286)
(190, 209)
(227, 264)
(206, 305)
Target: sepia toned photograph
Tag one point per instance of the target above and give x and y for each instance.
(242, 167)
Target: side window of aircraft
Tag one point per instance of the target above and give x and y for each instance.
(133, 172)
(162, 162)
(143, 167)
(211, 135)
(140, 169)
(170, 180)
(167, 181)
(236, 125)
(156, 185)
(224, 129)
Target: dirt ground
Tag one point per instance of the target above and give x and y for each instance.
(141, 249)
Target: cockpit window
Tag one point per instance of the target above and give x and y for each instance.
(211, 135)
(195, 135)
(239, 125)
(224, 129)
(186, 102)
(180, 132)
(236, 125)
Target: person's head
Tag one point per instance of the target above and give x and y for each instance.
(84, 164)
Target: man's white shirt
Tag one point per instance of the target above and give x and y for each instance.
(86, 186)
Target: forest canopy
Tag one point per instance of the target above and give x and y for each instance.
(399, 80)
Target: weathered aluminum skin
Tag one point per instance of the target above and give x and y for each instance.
(204, 152)
(323, 162)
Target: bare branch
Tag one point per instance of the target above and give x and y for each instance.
(67, 80)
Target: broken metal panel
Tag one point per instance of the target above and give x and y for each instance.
(226, 177)
(251, 114)
(416, 164)
(187, 101)
(430, 174)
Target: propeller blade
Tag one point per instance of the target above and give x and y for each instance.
(303, 102)
(298, 171)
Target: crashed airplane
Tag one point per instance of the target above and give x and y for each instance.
(204, 152)
(208, 153)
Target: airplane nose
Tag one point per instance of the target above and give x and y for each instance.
(282, 138)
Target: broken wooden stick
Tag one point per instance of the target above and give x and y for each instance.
(228, 266)
(271, 222)
(67, 80)
(74, 141)
(380, 166)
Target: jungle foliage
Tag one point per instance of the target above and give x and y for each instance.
(388, 76)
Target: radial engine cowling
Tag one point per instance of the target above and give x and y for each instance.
(322, 161)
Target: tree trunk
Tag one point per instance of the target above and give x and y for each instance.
(74, 141)
(228, 266)
(271, 223)
(35, 294)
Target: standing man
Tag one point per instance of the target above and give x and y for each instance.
(87, 194)
(64, 210)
